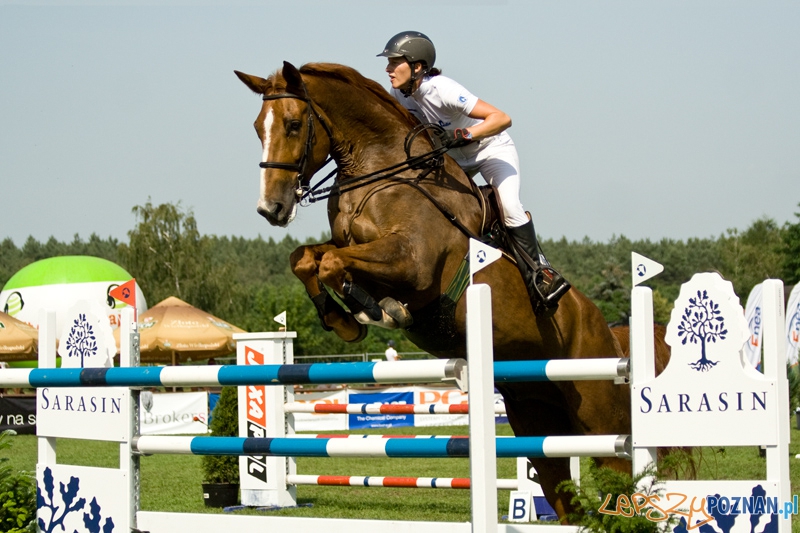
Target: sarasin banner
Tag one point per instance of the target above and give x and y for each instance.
(706, 382)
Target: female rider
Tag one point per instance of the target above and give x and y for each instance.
(474, 131)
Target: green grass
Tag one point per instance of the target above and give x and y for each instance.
(172, 483)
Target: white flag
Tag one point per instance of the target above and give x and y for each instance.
(643, 268)
(480, 256)
(793, 325)
(281, 319)
(752, 314)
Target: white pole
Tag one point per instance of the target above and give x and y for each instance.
(775, 368)
(643, 366)
(47, 359)
(482, 452)
(128, 461)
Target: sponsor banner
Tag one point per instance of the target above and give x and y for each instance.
(18, 414)
(752, 314)
(321, 422)
(427, 396)
(256, 419)
(705, 382)
(793, 325)
(361, 421)
(91, 413)
(173, 413)
(419, 395)
(439, 395)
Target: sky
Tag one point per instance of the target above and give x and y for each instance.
(645, 119)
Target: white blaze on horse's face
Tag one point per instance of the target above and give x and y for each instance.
(269, 118)
(266, 206)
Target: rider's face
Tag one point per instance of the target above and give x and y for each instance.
(399, 72)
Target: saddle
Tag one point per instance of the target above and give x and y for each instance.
(493, 230)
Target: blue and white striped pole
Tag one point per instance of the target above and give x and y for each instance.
(423, 371)
(435, 447)
(562, 370)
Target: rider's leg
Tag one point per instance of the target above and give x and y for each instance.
(544, 283)
(539, 276)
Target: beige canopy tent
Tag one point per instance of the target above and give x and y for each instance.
(18, 340)
(172, 331)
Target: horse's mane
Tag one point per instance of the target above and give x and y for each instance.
(352, 77)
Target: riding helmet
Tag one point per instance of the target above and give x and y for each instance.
(412, 45)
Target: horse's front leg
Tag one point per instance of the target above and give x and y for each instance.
(305, 265)
(385, 263)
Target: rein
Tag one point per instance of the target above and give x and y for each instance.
(306, 194)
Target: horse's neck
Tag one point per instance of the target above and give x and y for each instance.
(368, 137)
(365, 132)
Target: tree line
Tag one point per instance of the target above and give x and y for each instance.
(247, 282)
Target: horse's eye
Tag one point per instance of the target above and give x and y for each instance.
(294, 126)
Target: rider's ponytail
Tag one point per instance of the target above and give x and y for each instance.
(433, 72)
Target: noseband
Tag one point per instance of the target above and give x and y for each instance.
(303, 179)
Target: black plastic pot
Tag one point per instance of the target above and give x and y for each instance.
(220, 494)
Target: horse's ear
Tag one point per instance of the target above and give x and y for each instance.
(294, 81)
(256, 84)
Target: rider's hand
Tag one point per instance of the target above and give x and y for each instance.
(455, 138)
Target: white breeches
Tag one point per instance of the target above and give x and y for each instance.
(498, 163)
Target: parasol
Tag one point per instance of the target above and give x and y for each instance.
(18, 340)
(174, 331)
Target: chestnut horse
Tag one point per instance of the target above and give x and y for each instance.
(397, 244)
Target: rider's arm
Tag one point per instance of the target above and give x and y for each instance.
(494, 120)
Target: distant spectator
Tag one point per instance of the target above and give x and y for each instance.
(391, 353)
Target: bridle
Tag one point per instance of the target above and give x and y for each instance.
(303, 179)
(425, 163)
(306, 194)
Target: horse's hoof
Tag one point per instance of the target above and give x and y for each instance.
(361, 335)
(386, 322)
(397, 311)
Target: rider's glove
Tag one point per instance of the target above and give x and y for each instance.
(455, 138)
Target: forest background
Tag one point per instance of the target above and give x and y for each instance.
(247, 282)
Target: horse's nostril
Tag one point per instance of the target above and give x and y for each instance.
(270, 210)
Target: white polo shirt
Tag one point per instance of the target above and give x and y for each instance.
(443, 101)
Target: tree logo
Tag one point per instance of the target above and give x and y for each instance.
(81, 341)
(702, 322)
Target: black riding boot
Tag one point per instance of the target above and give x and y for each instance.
(545, 285)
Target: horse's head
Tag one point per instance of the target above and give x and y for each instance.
(292, 151)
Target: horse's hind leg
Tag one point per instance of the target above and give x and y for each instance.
(305, 265)
(529, 415)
